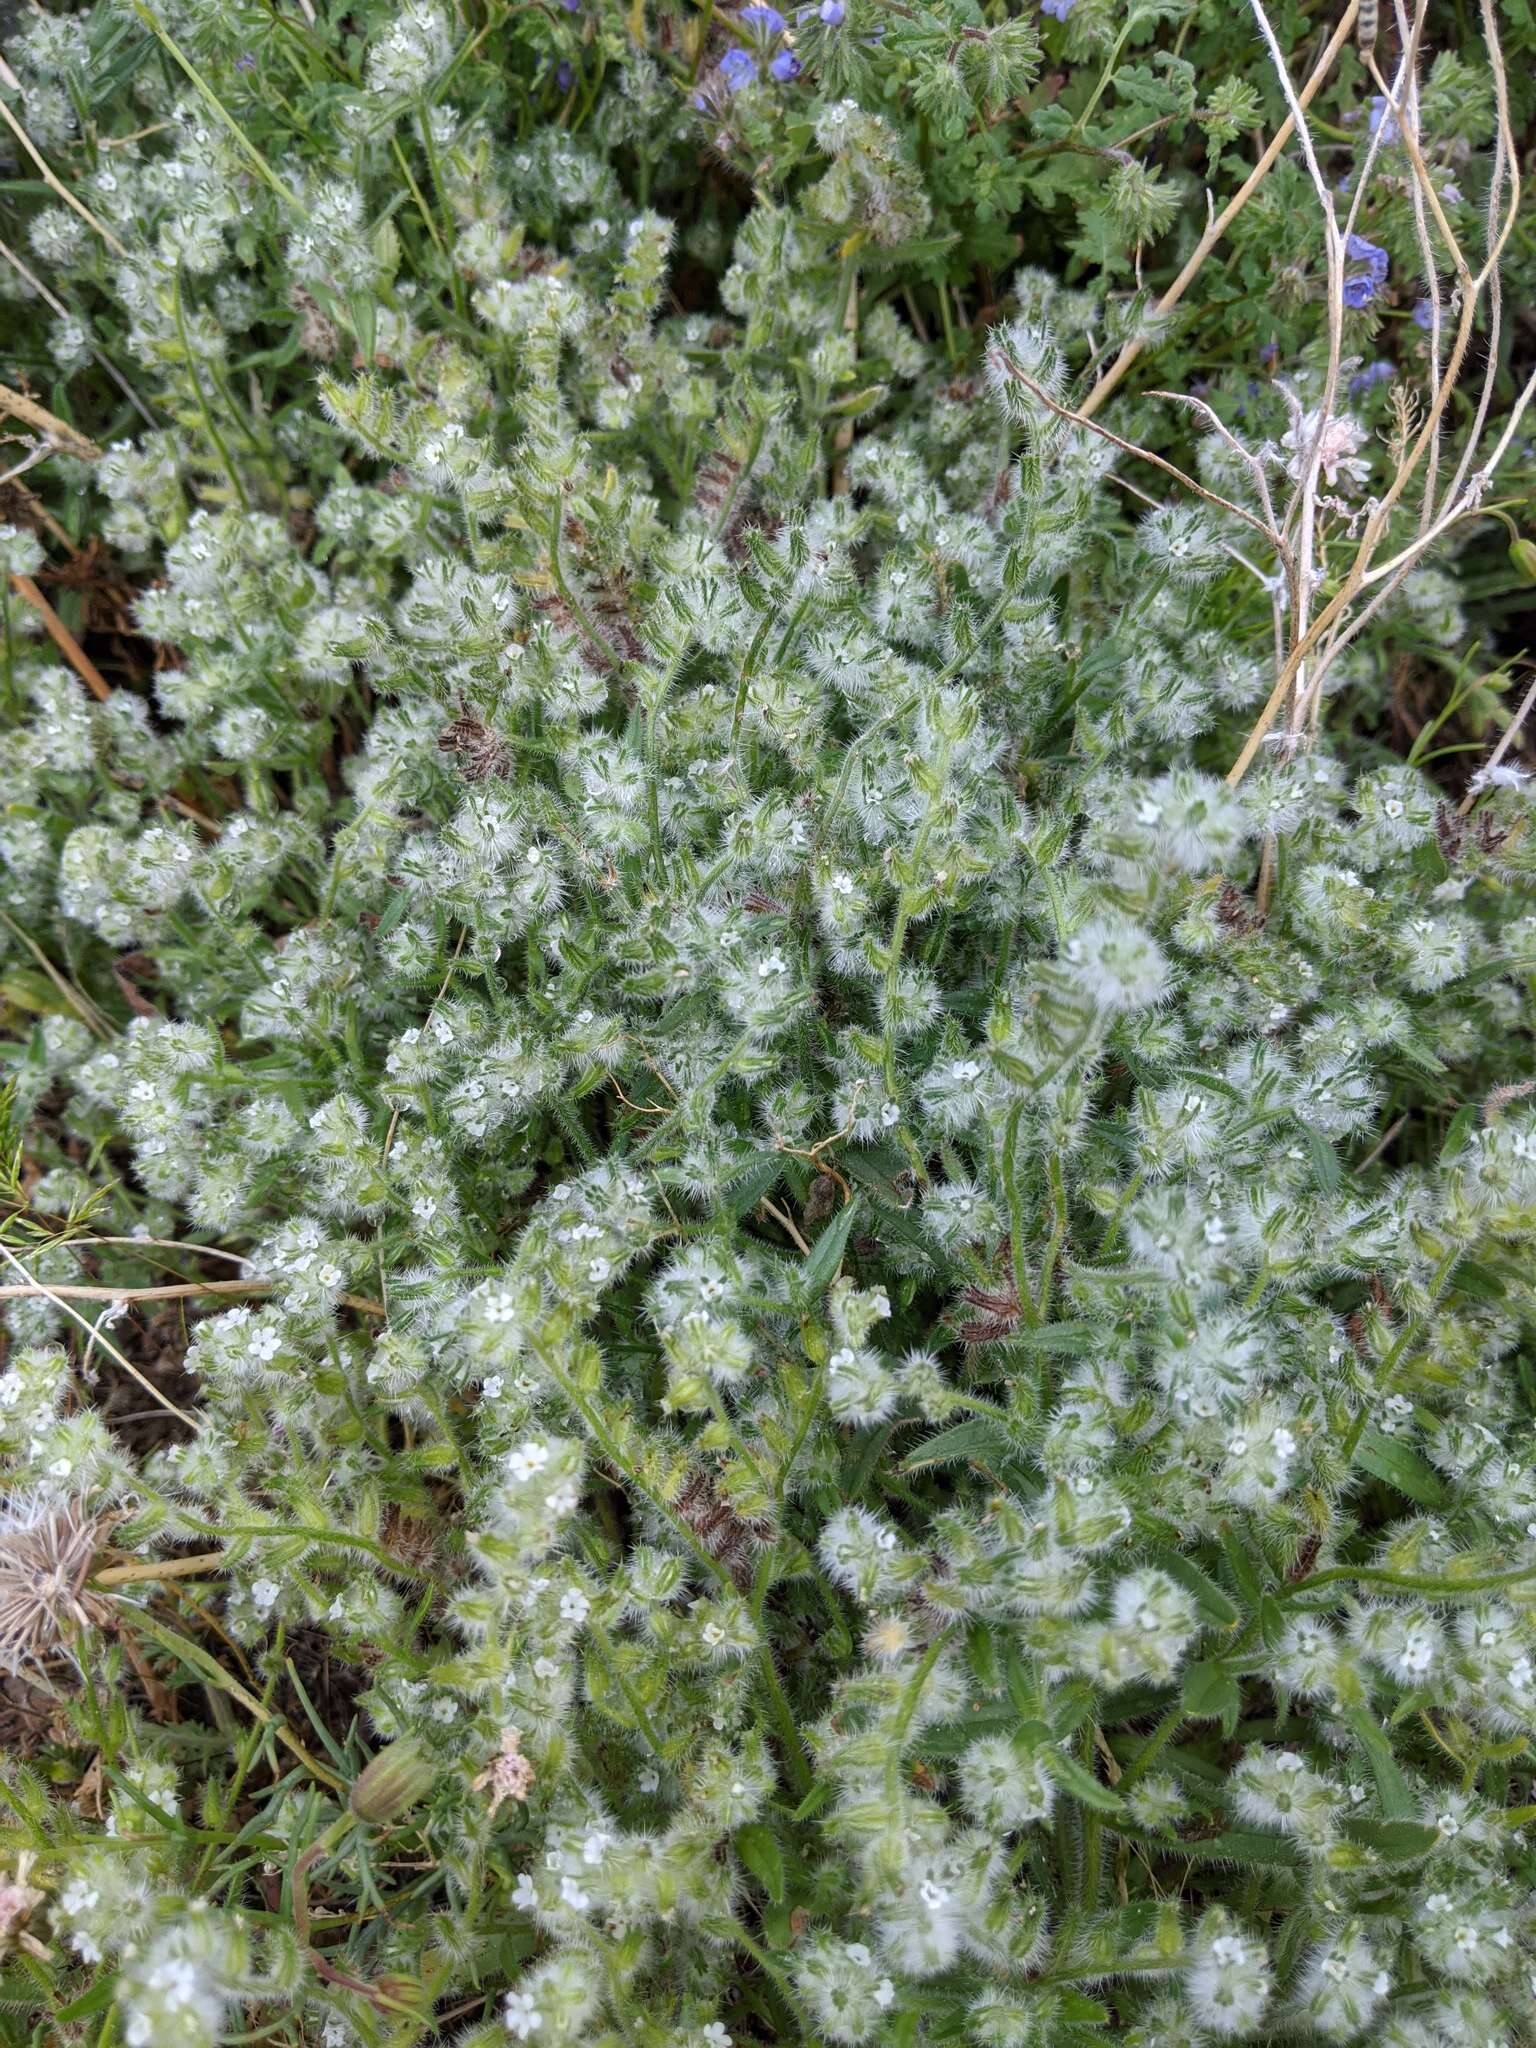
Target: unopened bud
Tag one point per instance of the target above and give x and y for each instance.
(1522, 553)
(392, 1783)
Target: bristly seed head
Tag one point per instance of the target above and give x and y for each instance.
(48, 1543)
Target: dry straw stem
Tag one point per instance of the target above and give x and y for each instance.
(1234, 206)
(54, 185)
(64, 640)
(35, 1286)
(17, 405)
(145, 1571)
(180, 1290)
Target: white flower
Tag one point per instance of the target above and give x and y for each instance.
(520, 2016)
(527, 1459)
(574, 1605)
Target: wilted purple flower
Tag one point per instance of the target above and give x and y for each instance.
(1060, 8)
(764, 23)
(1359, 250)
(737, 69)
(832, 13)
(785, 66)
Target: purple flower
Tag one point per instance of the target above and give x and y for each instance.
(737, 69)
(765, 23)
(1359, 250)
(1379, 372)
(1269, 354)
(1383, 117)
(832, 12)
(563, 76)
(245, 61)
(1060, 8)
(1424, 314)
(785, 66)
(1359, 290)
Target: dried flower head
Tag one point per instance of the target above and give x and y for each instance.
(47, 1545)
(508, 1775)
(18, 1902)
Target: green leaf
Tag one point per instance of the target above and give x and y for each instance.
(1211, 1693)
(1401, 1468)
(820, 1269)
(976, 1437)
(813, 1801)
(1249, 1584)
(760, 1178)
(1073, 2006)
(758, 1848)
(1395, 1841)
(1212, 1602)
(1079, 1783)
(1075, 1339)
(1397, 1802)
(1476, 1282)
(1246, 1847)
(1325, 1161)
(97, 1999)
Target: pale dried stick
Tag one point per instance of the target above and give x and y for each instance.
(48, 424)
(180, 1290)
(1506, 162)
(1078, 419)
(35, 1286)
(105, 361)
(54, 185)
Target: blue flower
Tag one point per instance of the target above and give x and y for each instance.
(1060, 8)
(765, 23)
(785, 66)
(832, 12)
(1359, 290)
(1359, 250)
(737, 69)
(1424, 314)
(1379, 372)
(1383, 117)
